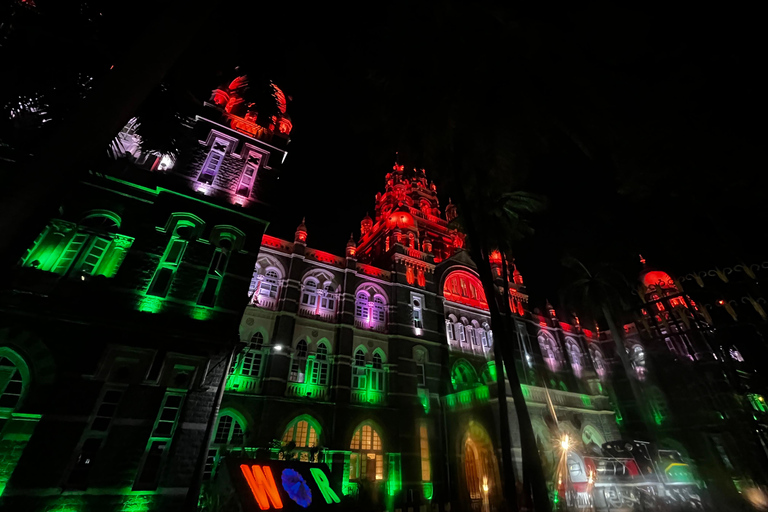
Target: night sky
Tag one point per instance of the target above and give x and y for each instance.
(670, 101)
(653, 115)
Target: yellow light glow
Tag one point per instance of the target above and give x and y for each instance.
(565, 443)
(485, 484)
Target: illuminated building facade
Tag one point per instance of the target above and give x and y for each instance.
(379, 362)
(119, 322)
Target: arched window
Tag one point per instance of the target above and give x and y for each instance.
(328, 297)
(637, 358)
(229, 430)
(250, 363)
(358, 370)
(362, 310)
(463, 375)
(299, 363)
(449, 333)
(460, 332)
(366, 462)
(464, 288)
(484, 332)
(270, 284)
(420, 356)
(91, 247)
(377, 373)
(599, 362)
(305, 432)
(550, 351)
(14, 379)
(320, 366)
(574, 354)
(378, 314)
(309, 293)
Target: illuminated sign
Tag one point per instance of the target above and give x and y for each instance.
(281, 485)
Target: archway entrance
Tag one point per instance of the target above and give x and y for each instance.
(481, 474)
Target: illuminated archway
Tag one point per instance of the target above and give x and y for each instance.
(479, 468)
(465, 288)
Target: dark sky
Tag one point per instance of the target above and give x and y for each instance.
(666, 104)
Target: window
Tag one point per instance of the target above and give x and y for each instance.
(309, 294)
(78, 477)
(463, 375)
(574, 354)
(266, 286)
(358, 370)
(464, 288)
(378, 309)
(327, 300)
(460, 330)
(90, 248)
(299, 364)
(249, 174)
(106, 410)
(637, 358)
(599, 361)
(12, 385)
(449, 331)
(213, 162)
(366, 462)
(169, 263)
(426, 471)
(417, 314)
(377, 373)
(150, 469)
(169, 414)
(252, 357)
(229, 431)
(305, 432)
(472, 335)
(362, 310)
(550, 351)
(165, 426)
(320, 366)
(420, 357)
(215, 274)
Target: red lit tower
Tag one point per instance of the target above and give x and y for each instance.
(408, 213)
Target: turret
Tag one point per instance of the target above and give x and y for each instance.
(366, 225)
(351, 246)
(301, 233)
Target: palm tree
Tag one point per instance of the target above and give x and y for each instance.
(487, 229)
(599, 295)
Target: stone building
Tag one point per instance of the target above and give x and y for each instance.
(379, 362)
(119, 323)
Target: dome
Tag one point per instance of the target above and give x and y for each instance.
(655, 278)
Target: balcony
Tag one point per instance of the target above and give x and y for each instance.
(243, 384)
(263, 302)
(366, 396)
(304, 390)
(370, 326)
(534, 394)
(326, 315)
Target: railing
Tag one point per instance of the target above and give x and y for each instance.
(364, 396)
(320, 314)
(371, 326)
(264, 302)
(565, 399)
(304, 390)
(243, 384)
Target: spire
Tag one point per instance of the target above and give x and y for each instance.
(301, 232)
(450, 211)
(351, 246)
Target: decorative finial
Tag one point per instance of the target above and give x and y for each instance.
(642, 260)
